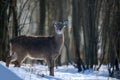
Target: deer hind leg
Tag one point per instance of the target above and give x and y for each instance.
(19, 61)
(51, 66)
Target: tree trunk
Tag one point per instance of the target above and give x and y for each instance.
(90, 18)
(3, 30)
(13, 7)
(76, 34)
(42, 17)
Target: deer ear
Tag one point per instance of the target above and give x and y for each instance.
(65, 22)
(54, 23)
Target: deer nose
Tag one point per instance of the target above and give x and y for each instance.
(60, 27)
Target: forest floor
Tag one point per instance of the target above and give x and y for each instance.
(40, 72)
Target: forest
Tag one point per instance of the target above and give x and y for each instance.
(91, 38)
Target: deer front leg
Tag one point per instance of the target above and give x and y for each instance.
(17, 64)
(51, 67)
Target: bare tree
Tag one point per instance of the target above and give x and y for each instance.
(42, 17)
(13, 13)
(89, 21)
(3, 29)
(110, 34)
(76, 33)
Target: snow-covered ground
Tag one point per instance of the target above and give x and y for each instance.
(40, 72)
(6, 74)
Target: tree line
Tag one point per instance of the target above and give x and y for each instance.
(92, 37)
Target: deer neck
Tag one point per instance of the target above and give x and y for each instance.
(59, 39)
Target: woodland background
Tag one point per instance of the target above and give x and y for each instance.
(92, 37)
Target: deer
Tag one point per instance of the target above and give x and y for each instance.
(38, 47)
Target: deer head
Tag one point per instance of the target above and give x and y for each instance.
(59, 26)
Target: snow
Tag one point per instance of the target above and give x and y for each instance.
(6, 74)
(40, 72)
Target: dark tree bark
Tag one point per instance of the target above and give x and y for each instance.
(90, 20)
(3, 29)
(42, 17)
(113, 35)
(13, 10)
(110, 33)
(76, 34)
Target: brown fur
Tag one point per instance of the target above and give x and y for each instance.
(45, 48)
